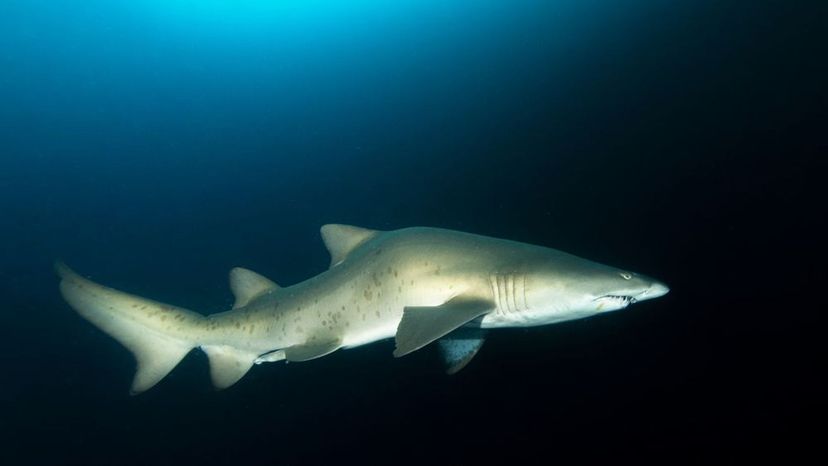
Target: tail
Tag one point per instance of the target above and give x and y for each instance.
(157, 334)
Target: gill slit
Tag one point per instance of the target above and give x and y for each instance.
(523, 291)
(509, 292)
(495, 293)
(513, 294)
(504, 294)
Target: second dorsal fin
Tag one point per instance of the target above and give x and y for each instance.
(342, 239)
(247, 285)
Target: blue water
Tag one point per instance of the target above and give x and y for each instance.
(153, 145)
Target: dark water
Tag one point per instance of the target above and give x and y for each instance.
(154, 145)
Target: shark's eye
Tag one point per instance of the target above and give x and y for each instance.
(625, 275)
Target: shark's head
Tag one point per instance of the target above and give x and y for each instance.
(617, 289)
(570, 288)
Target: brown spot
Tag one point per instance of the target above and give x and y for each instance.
(238, 325)
(368, 294)
(163, 318)
(377, 313)
(396, 273)
(343, 308)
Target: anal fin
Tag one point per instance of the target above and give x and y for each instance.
(227, 364)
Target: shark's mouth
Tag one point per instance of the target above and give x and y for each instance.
(620, 300)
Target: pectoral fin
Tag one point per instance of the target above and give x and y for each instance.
(459, 347)
(422, 325)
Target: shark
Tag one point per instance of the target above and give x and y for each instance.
(416, 285)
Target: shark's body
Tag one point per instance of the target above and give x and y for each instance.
(417, 285)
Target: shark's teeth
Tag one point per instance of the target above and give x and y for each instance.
(626, 299)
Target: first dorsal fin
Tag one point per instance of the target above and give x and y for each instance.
(247, 285)
(342, 239)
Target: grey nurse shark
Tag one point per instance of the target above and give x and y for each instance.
(416, 285)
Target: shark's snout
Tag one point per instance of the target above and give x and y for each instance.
(655, 290)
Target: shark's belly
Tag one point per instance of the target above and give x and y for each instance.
(362, 307)
(369, 322)
(364, 335)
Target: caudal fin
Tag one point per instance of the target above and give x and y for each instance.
(157, 334)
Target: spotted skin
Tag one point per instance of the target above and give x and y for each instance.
(359, 300)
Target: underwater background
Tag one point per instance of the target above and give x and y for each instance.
(153, 145)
